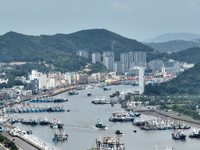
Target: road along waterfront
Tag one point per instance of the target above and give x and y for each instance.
(80, 121)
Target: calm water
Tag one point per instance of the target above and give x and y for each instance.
(80, 121)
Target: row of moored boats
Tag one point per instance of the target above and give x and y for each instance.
(30, 109)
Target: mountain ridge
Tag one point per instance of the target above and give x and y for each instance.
(173, 36)
(62, 45)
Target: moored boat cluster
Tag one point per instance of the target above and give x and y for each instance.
(123, 116)
(48, 100)
(31, 109)
(160, 124)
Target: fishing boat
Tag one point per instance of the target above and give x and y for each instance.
(96, 100)
(110, 143)
(60, 99)
(25, 121)
(89, 93)
(60, 137)
(121, 117)
(179, 135)
(60, 124)
(100, 125)
(169, 148)
(34, 122)
(195, 133)
(106, 88)
(117, 132)
(43, 121)
(53, 124)
(73, 92)
(29, 131)
(102, 100)
(114, 94)
(135, 84)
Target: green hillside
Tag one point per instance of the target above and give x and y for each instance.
(185, 83)
(19, 47)
(191, 55)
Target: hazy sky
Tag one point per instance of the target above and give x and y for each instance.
(135, 19)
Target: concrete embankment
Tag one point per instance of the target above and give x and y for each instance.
(158, 113)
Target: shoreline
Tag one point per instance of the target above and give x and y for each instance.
(165, 115)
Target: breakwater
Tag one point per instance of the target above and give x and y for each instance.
(175, 117)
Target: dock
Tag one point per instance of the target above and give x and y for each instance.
(30, 141)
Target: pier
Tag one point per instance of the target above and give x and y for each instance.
(31, 141)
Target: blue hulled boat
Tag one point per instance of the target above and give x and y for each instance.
(73, 92)
(106, 88)
(179, 135)
(89, 93)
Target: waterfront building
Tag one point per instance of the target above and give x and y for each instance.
(96, 57)
(186, 66)
(111, 75)
(42, 81)
(171, 67)
(34, 86)
(156, 64)
(33, 75)
(140, 59)
(124, 62)
(117, 67)
(108, 60)
(3, 81)
(130, 59)
(97, 77)
(82, 53)
(135, 70)
(70, 78)
(22, 78)
(82, 78)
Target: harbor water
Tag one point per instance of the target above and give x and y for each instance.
(80, 122)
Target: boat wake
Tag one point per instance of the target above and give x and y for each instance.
(106, 128)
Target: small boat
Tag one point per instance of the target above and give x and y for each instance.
(34, 122)
(44, 121)
(89, 93)
(25, 121)
(110, 143)
(53, 124)
(100, 125)
(179, 135)
(117, 132)
(60, 137)
(60, 124)
(169, 148)
(106, 88)
(60, 99)
(135, 84)
(114, 94)
(29, 131)
(73, 92)
(194, 134)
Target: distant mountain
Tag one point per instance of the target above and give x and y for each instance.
(174, 36)
(174, 46)
(19, 47)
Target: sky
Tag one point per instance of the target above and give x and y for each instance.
(134, 19)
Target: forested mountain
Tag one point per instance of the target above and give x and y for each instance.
(174, 46)
(191, 55)
(185, 83)
(19, 47)
(174, 36)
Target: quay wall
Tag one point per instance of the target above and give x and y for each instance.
(165, 114)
